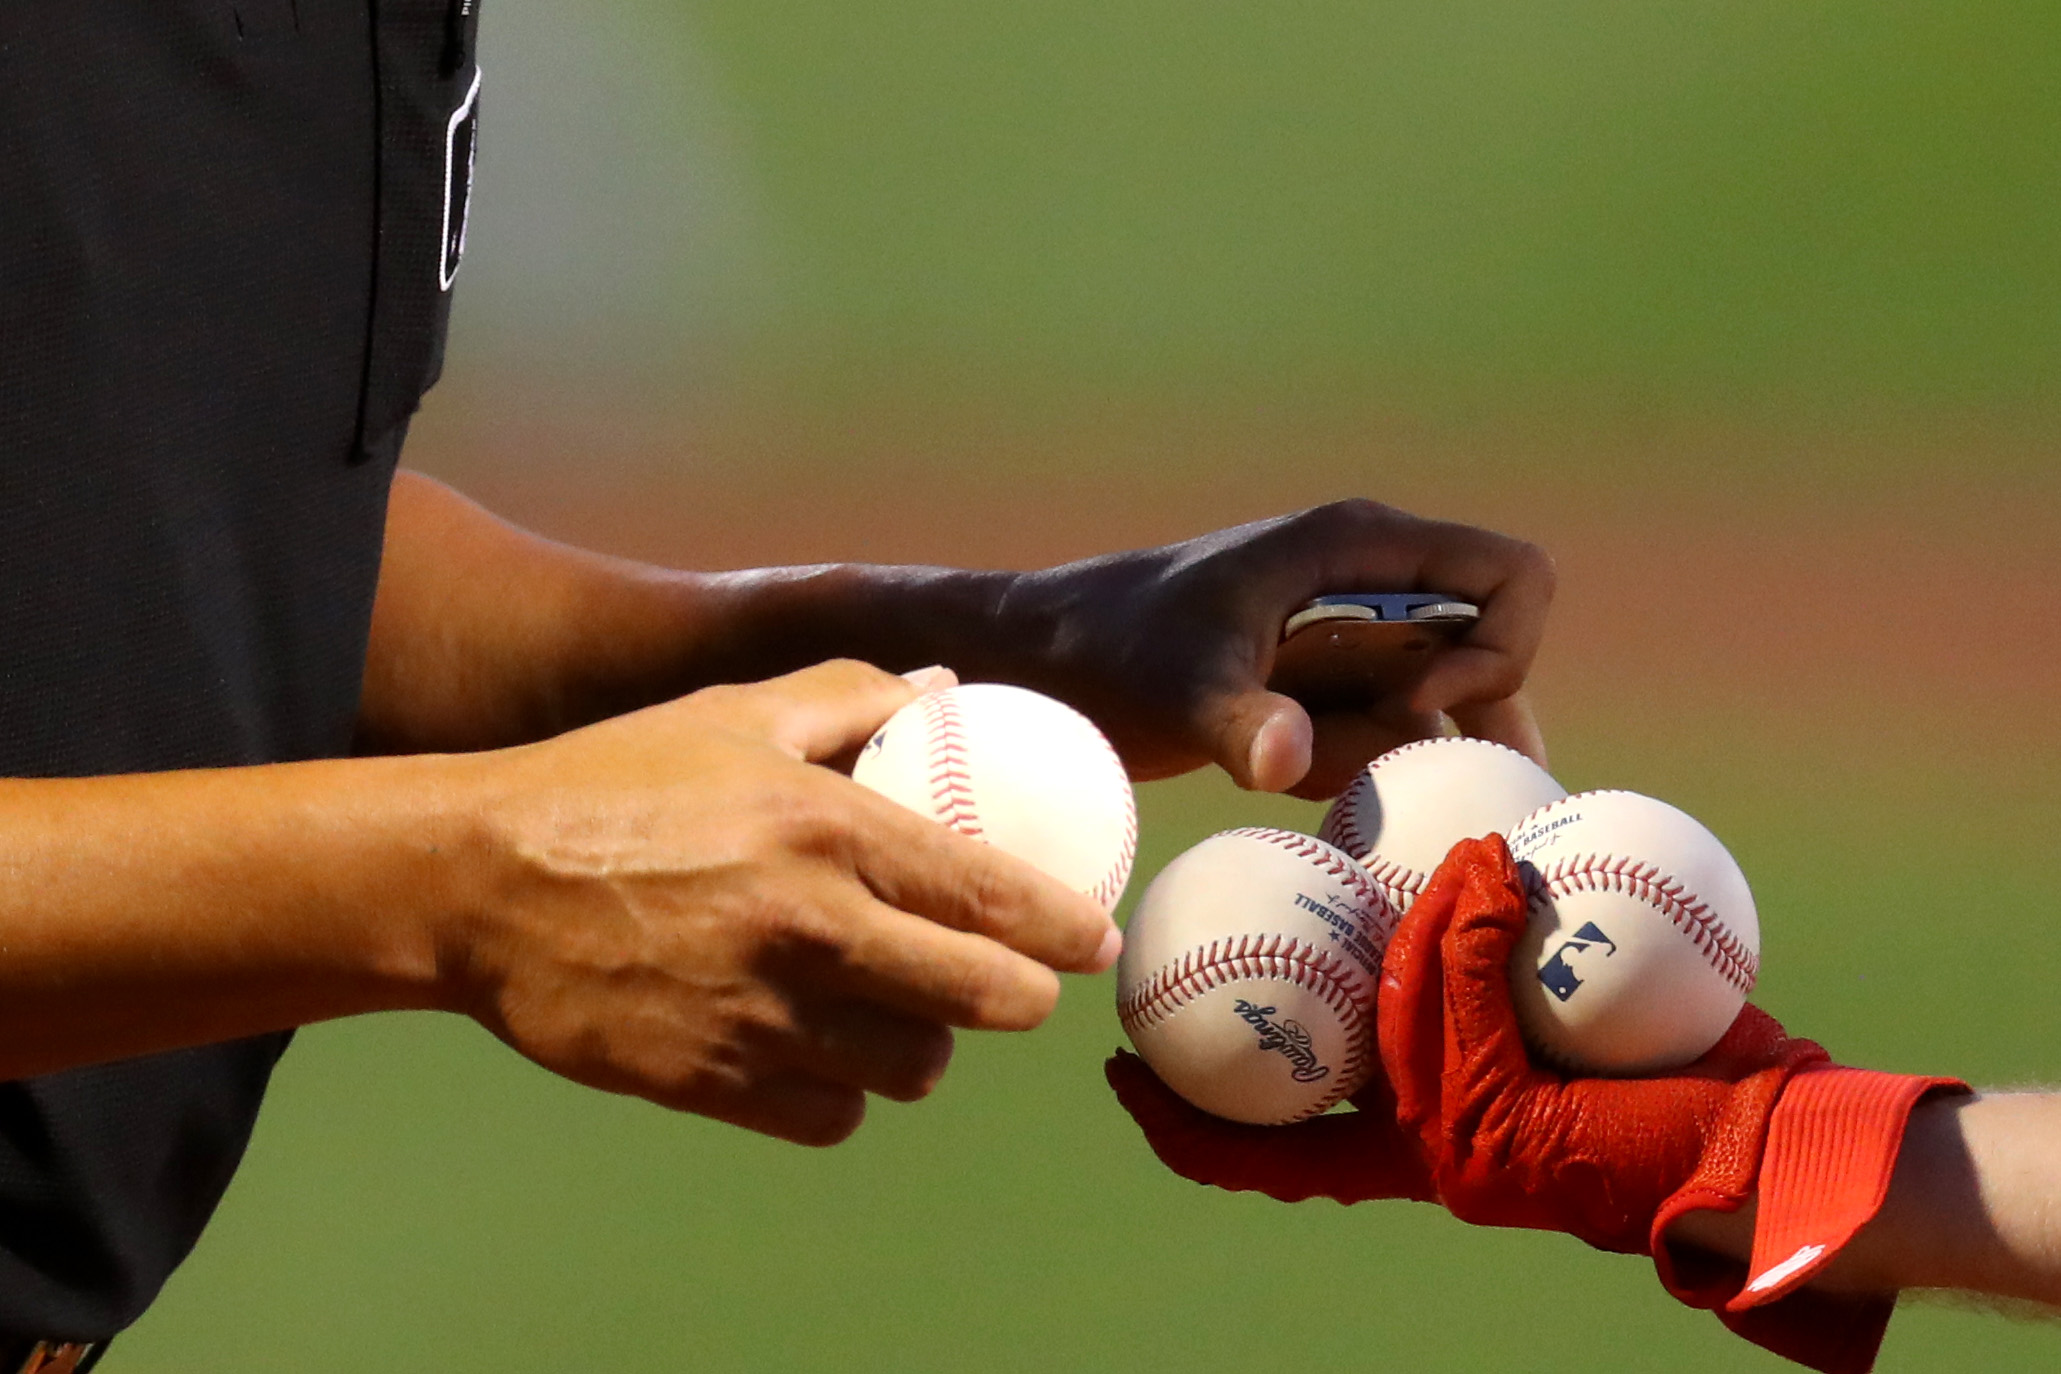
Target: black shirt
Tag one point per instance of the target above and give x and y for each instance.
(227, 229)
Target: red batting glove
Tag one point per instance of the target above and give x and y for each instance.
(1358, 1156)
(1502, 1142)
(1618, 1161)
(1512, 1144)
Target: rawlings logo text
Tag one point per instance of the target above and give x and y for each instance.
(1285, 1037)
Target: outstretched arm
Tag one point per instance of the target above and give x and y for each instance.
(673, 903)
(1974, 1206)
(486, 635)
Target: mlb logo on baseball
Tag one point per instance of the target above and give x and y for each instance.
(1558, 973)
(1643, 939)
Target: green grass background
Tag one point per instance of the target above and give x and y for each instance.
(1831, 208)
(1590, 219)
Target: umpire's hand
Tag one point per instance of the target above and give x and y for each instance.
(1169, 649)
(682, 905)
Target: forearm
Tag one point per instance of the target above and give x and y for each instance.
(486, 635)
(151, 912)
(1974, 1205)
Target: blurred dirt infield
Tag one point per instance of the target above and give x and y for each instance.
(1892, 601)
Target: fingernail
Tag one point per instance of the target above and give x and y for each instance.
(1280, 752)
(931, 679)
(1112, 945)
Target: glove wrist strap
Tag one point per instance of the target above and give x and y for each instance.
(1830, 1153)
(1832, 1147)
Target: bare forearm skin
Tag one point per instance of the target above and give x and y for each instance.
(151, 912)
(1974, 1207)
(486, 635)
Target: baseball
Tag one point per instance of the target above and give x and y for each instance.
(1027, 774)
(1248, 975)
(1408, 807)
(1643, 940)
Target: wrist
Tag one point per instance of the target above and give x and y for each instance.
(470, 849)
(765, 622)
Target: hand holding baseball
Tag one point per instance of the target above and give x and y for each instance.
(1463, 1115)
(688, 909)
(1509, 1143)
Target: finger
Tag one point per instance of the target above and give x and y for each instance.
(915, 967)
(1350, 1156)
(1491, 911)
(1261, 738)
(935, 678)
(789, 1105)
(1506, 720)
(1410, 1012)
(919, 866)
(1347, 741)
(1363, 544)
(1512, 582)
(867, 1046)
(1444, 1017)
(817, 713)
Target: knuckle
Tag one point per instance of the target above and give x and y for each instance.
(1009, 995)
(702, 1087)
(922, 1068)
(802, 819)
(1355, 515)
(1502, 680)
(831, 1118)
(793, 936)
(1541, 566)
(721, 699)
(848, 674)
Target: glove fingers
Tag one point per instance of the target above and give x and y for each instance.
(1410, 1015)
(1349, 1156)
(1490, 913)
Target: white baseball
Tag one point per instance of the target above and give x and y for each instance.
(1411, 805)
(1027, 774)
(1643, 940)
(1248, 975)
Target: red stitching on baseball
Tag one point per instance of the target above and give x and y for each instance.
(1341, 826)
(951, 783)
(1325, 856)
(1714, 940)
(1112, 885)
(1278, 957)
(1401, 882)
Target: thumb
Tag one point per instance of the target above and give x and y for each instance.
(1262, 739)
(1347, 1156)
